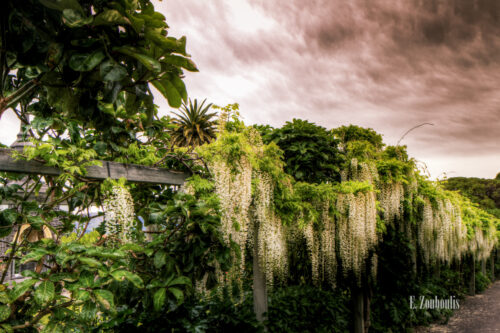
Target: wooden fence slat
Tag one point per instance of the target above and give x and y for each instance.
(133, 173)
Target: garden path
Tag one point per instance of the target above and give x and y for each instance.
(477, 314)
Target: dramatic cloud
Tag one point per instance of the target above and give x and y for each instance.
(382, 64)
(388, 65)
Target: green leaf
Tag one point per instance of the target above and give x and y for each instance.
(36, 222)
(159, 298)
(87, 279)
(7, 218)
(110, 17)
(150, 63)
(105, 298)
(111, 71)
(89, 311)
(67, 277)
(169, 91)
(132, 247)
(4, 312)
(181, 280)
(160, 259)
(90, 262)
(180, 86)
(44, 293)
(123, 274)
(74, 19)
(21, 288)
(179, 61)
(84, 62)
(31, 274)
(77, 248)
(178, 294)
(81, 295)
(4, 298)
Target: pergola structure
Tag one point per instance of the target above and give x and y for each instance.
(131, 172)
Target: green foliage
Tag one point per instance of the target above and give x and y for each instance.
(308, 309)
(79, 58)
(482, 282)
(352, 133)
(310, 151)
(485, 192)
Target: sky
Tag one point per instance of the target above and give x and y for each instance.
(384, 64)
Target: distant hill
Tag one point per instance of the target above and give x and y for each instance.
(485, 192)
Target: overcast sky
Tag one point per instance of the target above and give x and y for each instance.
(388, 65)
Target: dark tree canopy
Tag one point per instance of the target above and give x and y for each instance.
(352, 133)
(485, 192)
(310, 151)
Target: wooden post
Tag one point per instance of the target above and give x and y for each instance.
(358, 300)
(259, 282)
(472, 281)
(492, 265)
(367, 309)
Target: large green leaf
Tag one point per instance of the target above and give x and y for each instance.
(34, 255)
(111, 71)
(179, 61)
(21, 288)
(181, 280)
(4, 312)
(74, 19)
(160, 259)
(90, 262)
(147, 61)
(84, 62)
(123, 274)
(45, 292)
(87, 279)
(159, 298)
(110, 17)
(105, 298)
(169, 91)
(178, 294)
(180, 86)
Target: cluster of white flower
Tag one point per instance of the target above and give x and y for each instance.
(390, 197)
(235, 194)
(272, 244)
(360, 171)
(357, 230)
(483, 243)
(119, 215)
(441, 235)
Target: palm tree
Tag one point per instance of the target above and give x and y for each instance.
(195, 126)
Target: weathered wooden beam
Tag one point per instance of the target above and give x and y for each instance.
(132, 172)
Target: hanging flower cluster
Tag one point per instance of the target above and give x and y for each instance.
(272, 244)
(390, 197)
(119, 214)
(360, 171)
(357, 224)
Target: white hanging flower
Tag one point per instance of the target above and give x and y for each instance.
(119, 214)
